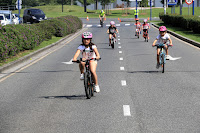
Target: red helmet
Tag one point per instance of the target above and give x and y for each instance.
(162, 28)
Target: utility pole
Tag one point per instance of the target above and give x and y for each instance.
(181, 5)
(164, 6)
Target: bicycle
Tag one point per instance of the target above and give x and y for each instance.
(88, 77)
(162, 56)
(146, 36)
(137, 33)
(113, 40)
(101, 21)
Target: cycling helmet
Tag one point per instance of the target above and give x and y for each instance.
(112, 23)
(145, 20)
(101, 11)
(162, 28)
(86, 35)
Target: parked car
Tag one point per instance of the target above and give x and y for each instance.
(8, 15)
(3, 19)
(33, 15)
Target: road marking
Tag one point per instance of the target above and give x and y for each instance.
(121, 68)
(119, 43)
(120, 52)
(117, 24)
(174, 58)
(123, 82)
(118, 39)
(127, 24)
(118, 36)
(127, 110)
(99, 25)
(107, 25)
(89, 26)
(70, 62)
(119, 46)
(120, 58)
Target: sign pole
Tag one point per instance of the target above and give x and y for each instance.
(193, 8)
(150, 9)
(164, 6)
(181, 4)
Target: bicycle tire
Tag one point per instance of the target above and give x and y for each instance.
(163, 63)
(112, 45)
(87, 85)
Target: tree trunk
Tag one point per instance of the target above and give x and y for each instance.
(198, 3)
(72, 2)
(96, 5)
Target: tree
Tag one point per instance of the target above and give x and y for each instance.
(144, 3)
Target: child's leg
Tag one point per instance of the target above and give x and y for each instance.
(93, 66)
(82, 67)
(158, 55)
(166, 49)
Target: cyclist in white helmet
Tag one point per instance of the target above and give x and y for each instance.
(88, 45)
(112, 30)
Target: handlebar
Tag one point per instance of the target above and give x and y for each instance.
(162, 45)
(78, 61)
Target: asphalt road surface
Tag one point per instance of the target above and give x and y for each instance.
(48, 97)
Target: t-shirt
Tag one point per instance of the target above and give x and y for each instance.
(145, 26)
(138, 25)
(112, 29)
(87, 54)
(164, 39)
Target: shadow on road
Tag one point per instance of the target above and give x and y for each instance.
(144, 72)
(72, 97)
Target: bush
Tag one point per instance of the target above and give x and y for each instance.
(16, 38)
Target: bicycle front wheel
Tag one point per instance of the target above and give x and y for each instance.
(163, 63)
(87, 85)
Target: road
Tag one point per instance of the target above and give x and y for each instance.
(48, 97)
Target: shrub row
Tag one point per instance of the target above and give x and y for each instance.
(185, 22)
(17, 38)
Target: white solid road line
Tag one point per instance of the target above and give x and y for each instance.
(123, 82)
(120, 58)
(127, 110)
(120, 52)
(121, 68)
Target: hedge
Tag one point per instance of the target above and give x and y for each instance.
(17, 38)
(185, 22)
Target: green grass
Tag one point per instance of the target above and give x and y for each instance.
(183, 32)
(56, 11)
(24, 53)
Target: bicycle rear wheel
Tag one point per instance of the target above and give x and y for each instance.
(112, 45)
(163, 63)
(87, 85)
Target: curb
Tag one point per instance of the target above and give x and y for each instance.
(197, 44)
(27, 57)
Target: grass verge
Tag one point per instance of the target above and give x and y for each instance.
(24, 53)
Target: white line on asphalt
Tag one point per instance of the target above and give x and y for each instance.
(120, 58)
(123, 82)
(70, 62)
(119, 43)
(118, 39)
(121, 68)
(127, 24)
(127, 110)
(107, 25)
(118, 36)
(119, 46)
(89, 26)
(99, 25)
(120, 52)
(117, 24)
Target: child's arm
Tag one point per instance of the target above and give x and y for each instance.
(76, 55)
(170, 41)
(117, 30)
(154, 43)
(97, 53)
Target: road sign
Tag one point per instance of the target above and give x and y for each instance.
(172, 2)
(20, 2)
(20, 6)
(189, 1)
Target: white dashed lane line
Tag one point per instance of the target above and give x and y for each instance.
(119, 43)
(119, 46)
(121, 58)
(121, 68)
(120, 52)
(123, 82)
(126, 110)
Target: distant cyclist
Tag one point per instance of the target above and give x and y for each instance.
(102, 15)
(137, 25)
(145, 27)
(88, 45)
(112, 30)
(162, 38)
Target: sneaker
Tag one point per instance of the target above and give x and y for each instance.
(82, 76)
(157, 65)
(96, 88)
(167, 57)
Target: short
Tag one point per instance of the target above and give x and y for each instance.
(144, 30)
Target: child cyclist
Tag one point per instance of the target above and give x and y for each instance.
(162, 38)
(138, 26)
(88, 45)
(112, 31)
(145, 27)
